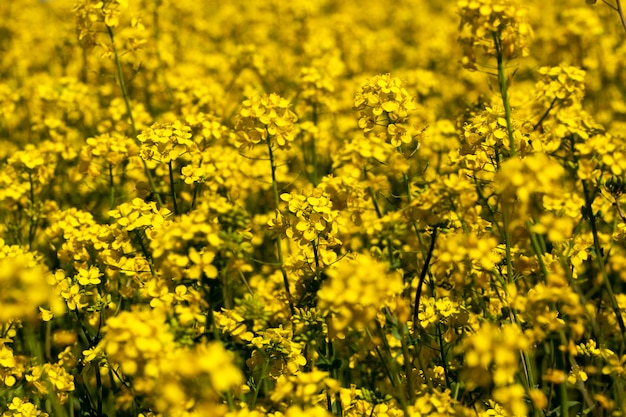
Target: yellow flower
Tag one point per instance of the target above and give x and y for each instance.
(305, 387)
(25, 285)
(356, 290)
(384, 101)
(89, 276)
(23, 408)
(166, 142)
(484, 20)
(263, 118)
(46, 315)
(297, 411)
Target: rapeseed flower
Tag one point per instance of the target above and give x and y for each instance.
(356, 290)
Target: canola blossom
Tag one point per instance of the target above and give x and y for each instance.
(312, 208)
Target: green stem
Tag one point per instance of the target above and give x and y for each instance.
(620, 11)
(313, 147)
(408, 365)
(196, 192)
(507, 243)
(112, 188)
(545, 114)
(279, 250)
(383, 361)
(390, 375)
(172, 189)
(129, 112)
(502, 81)
(442, 353)
(32, 220)
(379, 213)
(605, 279)
(536, 245)
(229, 401)
(255, 396)
(120, 79)
(563, 395)
(334, 373)
(99, 390)
(420, 284)
(316, 256)
(144, 250)
(48, 342)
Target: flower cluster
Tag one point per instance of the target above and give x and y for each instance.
(306, 385)
(491, 358)
(113, 149)
(317, 87)
(25, 284)
(383, 101)
(315, 217)
(136, 340)
(494, 27)
(186, 247)
(485, 136)
(139, 215)
(166, 142)
(274, 350)
(356, 290)
(437, 404)
(524, 180)
(266, 118)
(144, 348)
(53, 377)
(565, 84)
(23, 408)
(465, 258)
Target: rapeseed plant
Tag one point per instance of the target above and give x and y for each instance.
(312, 208)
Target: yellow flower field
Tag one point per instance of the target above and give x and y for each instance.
(312, 208)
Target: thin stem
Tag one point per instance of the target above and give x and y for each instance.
(382, 359)
(442, 353)
(279, 250)
(309, 148)
(545, 114)
(579, 382)
(32, 221)
(620, 11)
(255, 396)
(330, 351)
(420, 284)
(504, 90)
(99, 390)
(172, 189)
(112, 188)
(48, 341)
(507, 243)
(408, 365)
(196, 193)
(129, 112)
(600, 259)
(144, 250)
(394, 383)
(120, 79)
(316, 256)
(379, 213)
(563, 392)
(620, 212)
